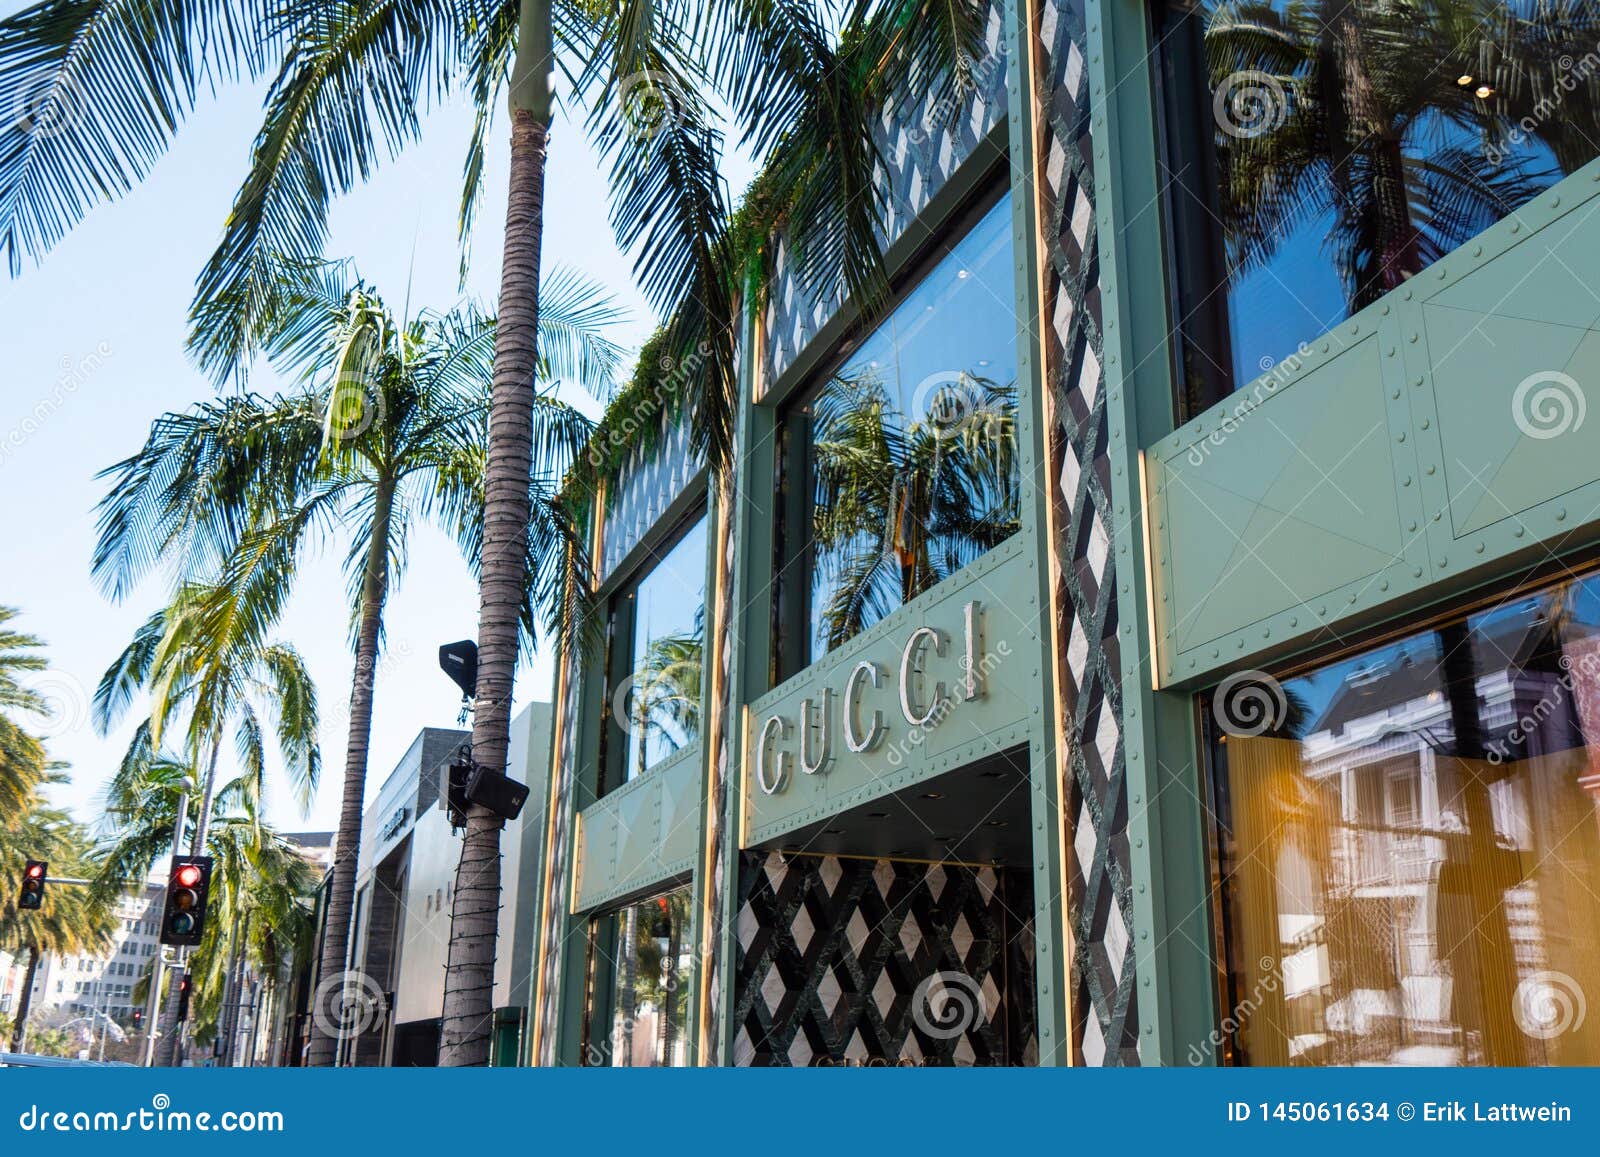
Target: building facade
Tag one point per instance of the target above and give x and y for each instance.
(404, 893)
(96, 986)
(1163, 632)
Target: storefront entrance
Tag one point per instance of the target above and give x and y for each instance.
(896, 933)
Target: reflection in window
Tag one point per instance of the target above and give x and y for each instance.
(912, 444)
(1324, 151)
(656, 702)
(1411, 846)
(640, 959)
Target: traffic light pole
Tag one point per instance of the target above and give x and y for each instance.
(152, 1011)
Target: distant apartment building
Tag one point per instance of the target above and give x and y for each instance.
(91, 985)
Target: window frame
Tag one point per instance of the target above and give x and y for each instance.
(1178, 81)
(602, 934)
(1215, 790)
(1197, 287)
(618, 657)
(793, 565)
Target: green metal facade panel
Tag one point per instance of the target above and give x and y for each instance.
(1432, 439)
(644, 833)
(1003, 589)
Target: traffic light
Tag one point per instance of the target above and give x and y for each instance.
(183, 919)
(185, 982)
(34, 874)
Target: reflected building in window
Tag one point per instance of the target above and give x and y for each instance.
(1410, 880)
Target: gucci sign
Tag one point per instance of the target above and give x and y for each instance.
(921, 706)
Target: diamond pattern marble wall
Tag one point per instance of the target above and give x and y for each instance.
(646, 485)
(1106, 1028)
(849, 961)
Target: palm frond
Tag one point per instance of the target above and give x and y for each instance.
(96, 90)
(349, 92)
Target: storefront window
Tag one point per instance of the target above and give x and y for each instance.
(639, 971)
(1321, 153)
(1410, 846)
(658, 634)
(900, 469)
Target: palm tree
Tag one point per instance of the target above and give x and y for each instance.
(22, 757)
(388, 430)
(1397, 121)
(72, 921)
(903, 502)
(207, 667)
(349, 83)
(261, 885)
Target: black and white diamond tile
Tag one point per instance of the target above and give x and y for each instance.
(1100, 884)
(832, 954)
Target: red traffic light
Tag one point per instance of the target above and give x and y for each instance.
(184, 915)
(35, 875)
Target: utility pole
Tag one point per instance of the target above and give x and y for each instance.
(100, 1000)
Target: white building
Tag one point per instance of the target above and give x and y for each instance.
(405, 886)
(92, 986)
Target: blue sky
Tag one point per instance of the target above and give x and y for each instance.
(93, 351)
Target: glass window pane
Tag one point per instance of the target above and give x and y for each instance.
(913, 444)
(1411, 846)
(1322, 153)
(662, 702)
(643, 957)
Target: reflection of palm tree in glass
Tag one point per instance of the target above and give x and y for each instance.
(665, 706)
(1371, 116)
(904, 501)
(653, 974)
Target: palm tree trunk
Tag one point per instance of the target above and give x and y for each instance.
(474, 917)
(167, 1046)
(235, 978)
(19, 1030)
(347, 845)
